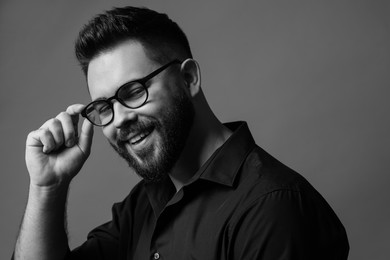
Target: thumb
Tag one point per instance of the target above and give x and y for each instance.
(85, 138)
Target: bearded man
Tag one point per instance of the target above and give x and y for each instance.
(207, 190)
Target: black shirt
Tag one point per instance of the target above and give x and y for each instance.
(241, 204)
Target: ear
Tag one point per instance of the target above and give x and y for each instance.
(191, 74)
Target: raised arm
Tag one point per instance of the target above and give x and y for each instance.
(55, 154)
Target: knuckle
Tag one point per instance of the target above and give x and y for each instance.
(31, 135)
(55, 121)
(45, 132)
(62, 115)
(70, 133)
(65, 119)
(55, 128)
(52, 123)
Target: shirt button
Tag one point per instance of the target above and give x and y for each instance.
(156, 256)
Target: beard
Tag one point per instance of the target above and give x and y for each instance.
(155, 161)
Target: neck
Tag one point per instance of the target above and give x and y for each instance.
(206, 136)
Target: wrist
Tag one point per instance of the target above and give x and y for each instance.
(48, 195)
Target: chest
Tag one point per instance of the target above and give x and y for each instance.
(192, 225)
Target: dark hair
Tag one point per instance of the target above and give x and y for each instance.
(161, 37)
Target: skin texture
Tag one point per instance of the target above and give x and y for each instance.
(129, 61)
(165, 119)
(54, 155)
(56, 152)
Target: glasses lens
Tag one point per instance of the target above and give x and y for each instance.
(99, 112)
(133, 94)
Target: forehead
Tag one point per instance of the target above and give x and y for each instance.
(113, 68)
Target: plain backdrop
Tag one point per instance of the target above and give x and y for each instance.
(311, 78)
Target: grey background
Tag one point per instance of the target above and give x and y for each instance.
(310, 77)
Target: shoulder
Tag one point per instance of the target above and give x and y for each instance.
(261, 174)
(278, 198)
(273, 192)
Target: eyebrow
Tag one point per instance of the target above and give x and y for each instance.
(99, 98)
(105, 98)
(147, 77)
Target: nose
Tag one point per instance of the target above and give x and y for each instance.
(122, 114)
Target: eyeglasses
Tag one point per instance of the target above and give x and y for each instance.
(133, 94)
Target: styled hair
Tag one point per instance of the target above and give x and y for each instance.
(161, 37)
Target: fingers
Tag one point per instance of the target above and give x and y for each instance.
(85, 139)
(74, 111)
(41, 138)
(53, 128)
(61, 132)
(69, 129)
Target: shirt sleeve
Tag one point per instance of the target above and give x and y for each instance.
(286, 224)
(102, 242)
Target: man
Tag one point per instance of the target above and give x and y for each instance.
(208, 191)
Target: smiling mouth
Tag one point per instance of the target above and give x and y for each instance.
(138, 138)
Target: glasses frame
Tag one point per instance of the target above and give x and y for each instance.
(141, 81)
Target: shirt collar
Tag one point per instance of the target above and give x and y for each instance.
(222, 167)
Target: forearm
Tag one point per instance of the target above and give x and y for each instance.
(42, 234)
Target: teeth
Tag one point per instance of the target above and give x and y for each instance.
(139, 137)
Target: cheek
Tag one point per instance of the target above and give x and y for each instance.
(160, 98)
(110, 133)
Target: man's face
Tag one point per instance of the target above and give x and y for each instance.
(152, 137)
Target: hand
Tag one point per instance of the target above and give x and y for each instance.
(55, 153)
